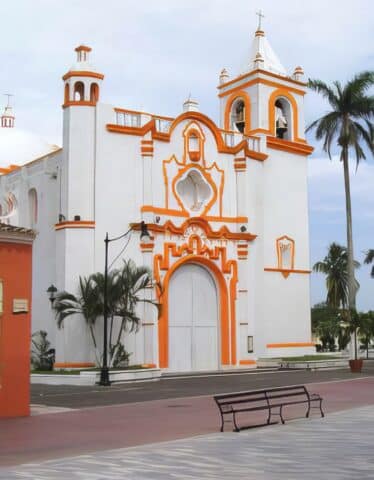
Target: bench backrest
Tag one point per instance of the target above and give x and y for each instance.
(255, 398)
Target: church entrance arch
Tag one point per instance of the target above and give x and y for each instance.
(193, 319)
(213, 283)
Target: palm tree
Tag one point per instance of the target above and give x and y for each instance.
(133, 282)
(87, 303)
(370, 259)
(124, 293)
(335, 267)
(367, 329)
(349, 123)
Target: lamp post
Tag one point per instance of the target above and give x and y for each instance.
(104, 372)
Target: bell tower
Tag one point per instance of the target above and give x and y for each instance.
(82, 81)
(82, 85)
(263, 98)
(7, 118)
(265, 101)
(75, 230)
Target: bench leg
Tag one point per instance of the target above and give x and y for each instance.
(222, 423)
(237, 429)
(320, 407)
(280, 414)
(269, 417)
(308, 411)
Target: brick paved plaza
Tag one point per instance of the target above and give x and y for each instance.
(337, 447)
(175, 433)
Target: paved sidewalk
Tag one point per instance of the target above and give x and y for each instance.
(338, 447)
(79, 432)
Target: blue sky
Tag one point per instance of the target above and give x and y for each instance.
(154, 53)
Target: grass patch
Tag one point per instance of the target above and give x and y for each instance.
(309, 358)
(117, 369)
(56, 372)
(96, 369)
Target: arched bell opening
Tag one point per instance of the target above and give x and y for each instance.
(78, 92)
(94, 93)
(238, 116)
(283, 119)
(66, 93)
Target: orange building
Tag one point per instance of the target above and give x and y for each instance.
(15, 309)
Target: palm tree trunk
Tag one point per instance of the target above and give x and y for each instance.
(350, 256)
(348, 206)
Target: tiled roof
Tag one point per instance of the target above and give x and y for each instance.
(5, 228)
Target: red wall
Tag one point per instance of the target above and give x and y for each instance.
(15, 272)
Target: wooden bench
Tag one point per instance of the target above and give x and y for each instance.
(273, 400)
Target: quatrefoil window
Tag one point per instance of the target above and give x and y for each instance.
(194, 191)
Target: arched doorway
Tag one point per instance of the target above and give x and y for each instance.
(193, 319)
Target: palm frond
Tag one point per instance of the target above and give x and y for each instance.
(359, 84)
(369, 256)
(323, 89)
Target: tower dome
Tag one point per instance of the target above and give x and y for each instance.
(18, 146)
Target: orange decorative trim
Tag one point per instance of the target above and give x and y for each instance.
(83, 48)
(286, 272)
(75, 224)
(247, 104)
(242, 251)
(147, 247)
(280, 243)
(262, 80)
(165, 137)
(283, 92)
(259, 130)
(193, 129)
(164, 211)
(79, 103)
(196, 252)
(290, 345)
(287, 146)
(208, 179)
(240, 164)
(147, 142)
(82, 73)
(197, 222)
(247, 362)
(227, 219)
(73, 365)
(205, 172)
(149, 365)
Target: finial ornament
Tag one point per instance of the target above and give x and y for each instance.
(260, 15)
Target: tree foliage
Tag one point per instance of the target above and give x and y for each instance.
(369, 258)
(335, 267)
(125, 291)
(348, 125)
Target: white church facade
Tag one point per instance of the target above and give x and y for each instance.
(226, 207)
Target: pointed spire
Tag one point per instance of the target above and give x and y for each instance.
(224, 76)
(190, 105)
(7, 118)
(261, 54)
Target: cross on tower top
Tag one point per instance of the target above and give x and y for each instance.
(8, 95)
(260, 15)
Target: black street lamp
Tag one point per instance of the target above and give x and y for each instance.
(52, 293)
(104, 372)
